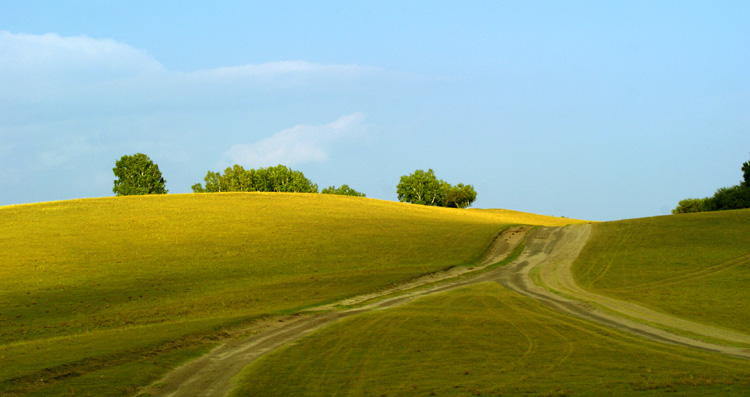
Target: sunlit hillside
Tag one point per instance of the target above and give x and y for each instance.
(96, 284)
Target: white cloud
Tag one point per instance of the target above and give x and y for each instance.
(286, 68)
(33, 53)
(66, 71)
(54, 77)
(297, 145)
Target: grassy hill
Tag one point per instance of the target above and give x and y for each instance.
(695, 266)
(118, 290)
(484, 340)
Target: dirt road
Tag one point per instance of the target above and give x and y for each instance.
(549, 253)
(211, 374)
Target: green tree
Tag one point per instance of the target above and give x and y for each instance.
(422, 187)
(272, 179)
(729, 198)
(344, 190)
(460, 196)
(425, 188)
(213, 183)
(746, 173)
(284, 179)
(137, 174)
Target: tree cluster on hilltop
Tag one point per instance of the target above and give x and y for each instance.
(425, 188)
(271, 179)
(137, 174)
(726, 198)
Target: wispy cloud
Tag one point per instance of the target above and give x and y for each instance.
(297, 145)
(34, 53)
(79, 74)
(286, 68)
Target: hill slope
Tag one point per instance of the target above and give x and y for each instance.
(694, 266)
(104, 283)
(484, 339)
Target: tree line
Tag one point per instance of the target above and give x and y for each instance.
(138, 174)
(726, 198)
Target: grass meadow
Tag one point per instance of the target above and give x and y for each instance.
(485, 340)
(104, 295)
(695, 266)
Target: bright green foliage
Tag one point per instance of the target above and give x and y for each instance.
(484, 340)
(695, 266)
(137, 175)
(690, 205)
(460, 196)
(425, 188)
(344, 190)
(271, 179)
(421, 188)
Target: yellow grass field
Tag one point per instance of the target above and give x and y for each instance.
(95, 285)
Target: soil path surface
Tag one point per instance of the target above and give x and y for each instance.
(549, 252)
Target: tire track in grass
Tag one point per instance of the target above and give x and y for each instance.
(565, 357)
(553, 261)
(549, 330)
(531, 346)
(211, 375)
(705, 272)
(604, 269)
(551, 249)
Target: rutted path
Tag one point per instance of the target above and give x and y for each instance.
(211, 374)
(549, 251)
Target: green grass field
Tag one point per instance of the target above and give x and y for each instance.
(102, 296)
(695, 266)
(110, 293)
(485, 340)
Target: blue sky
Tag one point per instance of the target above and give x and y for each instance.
(594, 110)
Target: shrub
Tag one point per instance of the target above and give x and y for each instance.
(690, 205)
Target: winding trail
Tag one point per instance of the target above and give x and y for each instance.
(549, 253)
(211, 374)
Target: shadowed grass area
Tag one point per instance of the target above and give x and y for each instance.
(695, 266)
(96, 284)
(484, 340)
